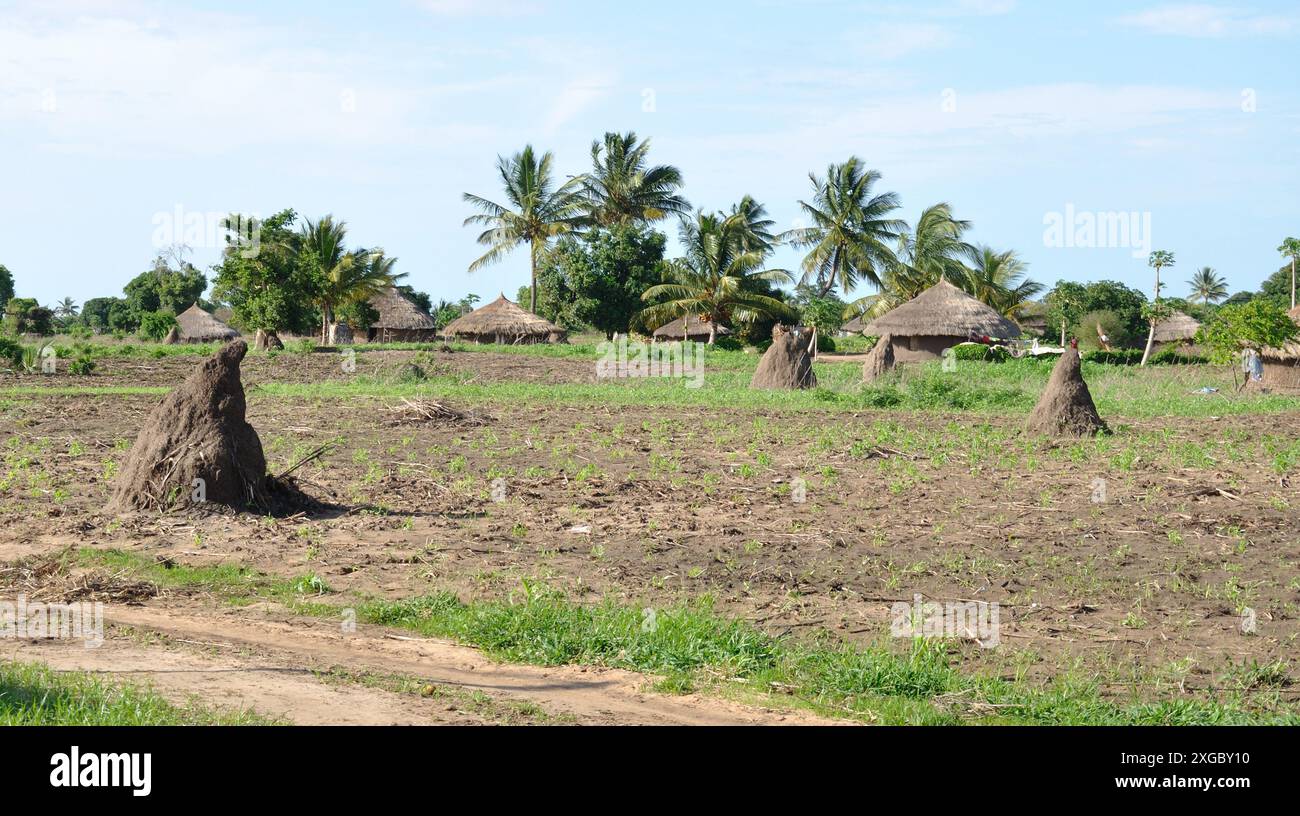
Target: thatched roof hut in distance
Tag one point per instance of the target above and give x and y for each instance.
(504, 321)
(1282, 366)
(400, 320)
(939, 318)
(1178, 328)
(854, 326)
(197, 326)
(688, 327)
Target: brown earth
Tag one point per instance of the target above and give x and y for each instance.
(656, 509)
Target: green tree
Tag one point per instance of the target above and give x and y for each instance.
(536, 211)
(1257, 325)
(597, 280)
(1290, 248)
(1066, 304)
(26, 316)
(344, 277)
(852, 228)
(998, 279)
(622, 189)
(6, 285)
(265, 283)
(94, 313)
(1158, 260)
(1207, 286)
(164, 289)
(155, 325)
(715, 277)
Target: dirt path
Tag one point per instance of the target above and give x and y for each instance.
(251, 658)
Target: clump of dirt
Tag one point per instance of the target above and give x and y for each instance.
(196, 445)
(420, 411)
(1066, 407)
(880, 359)
(787, 363)
(47, 579)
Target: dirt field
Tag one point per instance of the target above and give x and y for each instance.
(1132, 559)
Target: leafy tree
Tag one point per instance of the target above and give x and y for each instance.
(716, 278)
(1066, 304)
(597, 280)
(824, 313)
(26, 316)
(344, 278)
(1290, 248)
(265, 284)
(1207, 286)
(1256, 325)
(1277, 287)
(6, 284)
(1239, 298)
(622, 190)
(1158, 260)
(851, 230)
(536, 211)
(94, 312)
(1091, 327)
(155, 325)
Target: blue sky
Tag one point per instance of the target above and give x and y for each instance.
(114, 116)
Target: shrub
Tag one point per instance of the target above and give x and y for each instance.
(978, 352)
(825, 342)
(82, 366)
(1117, 357)
(155, 325)
(1177, 355)
(11, 351)
(728, 344)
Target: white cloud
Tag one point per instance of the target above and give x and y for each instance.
(1201, 20)
(575, 98)
(890, 41)
(480, 8)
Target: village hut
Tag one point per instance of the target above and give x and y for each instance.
(400, 321)
(1281, 366)
(1177, 329)
(939, 318)
(197, 326)
(503, 321)
(689, 327)
(852, 327)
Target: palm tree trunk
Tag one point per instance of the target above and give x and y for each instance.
(1292, 281)
(532, 261)
(830, 279)
(325, 324)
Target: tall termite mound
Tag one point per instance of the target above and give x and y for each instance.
(197, 445)
(787, 363)
(1066, 407)
(880, 359)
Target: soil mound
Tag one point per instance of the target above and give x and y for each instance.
(787, 363)
(1066, 407)
(880, 359)
(196, 445)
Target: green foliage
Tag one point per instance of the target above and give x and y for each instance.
(825, 313)
(94, 313)
(1257, 325)
(358, 314)
(155, 325)
(1122, 357)
(1071, 302)
(420, 299)
(267, 285)
(1276, 288)
(164, 289)
(978, 352)
(26, 316)
(1175, 354)
(6, 284)
(83, 365)
(11, 351)
(1111, 325)
(597, 280)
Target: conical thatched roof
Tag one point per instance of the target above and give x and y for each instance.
(503, 319)
(854, 326)
(1176, 328)
(687, 326)
(198, 326)
(943, 310)
(397, 312)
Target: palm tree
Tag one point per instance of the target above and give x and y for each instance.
(933, 250)
(1290, 248)
(1157, 261)
(756, 233)
(715, 279)
(66, 308)
(622, 189)
(1207, 286)
(851, 228)
(345, 277)
(998, 279)
(535, 212)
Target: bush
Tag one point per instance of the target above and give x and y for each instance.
(728, 344)
(11, 352)
(978, 352)
(82, 365)
(155, 325)
(825, 342)
(1177, 355)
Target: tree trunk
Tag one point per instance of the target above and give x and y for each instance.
(1151, 335)
(1292, 281)
(532, 260)
(1062, 334)
(325, 324)
(713, 331)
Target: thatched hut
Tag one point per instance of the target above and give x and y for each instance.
(1177, 329)
(504, 321)
(852, 327)
(400, 320)
(197, 326)
(939, 318)
(1282, 366)
(688, 327)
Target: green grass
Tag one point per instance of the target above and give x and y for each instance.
(34, 694)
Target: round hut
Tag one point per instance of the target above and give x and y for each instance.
(1177, 329)
(400, 320)
(1282, 366)
(503, 321)
(939, 318)
(197, 326)
(689, 327)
